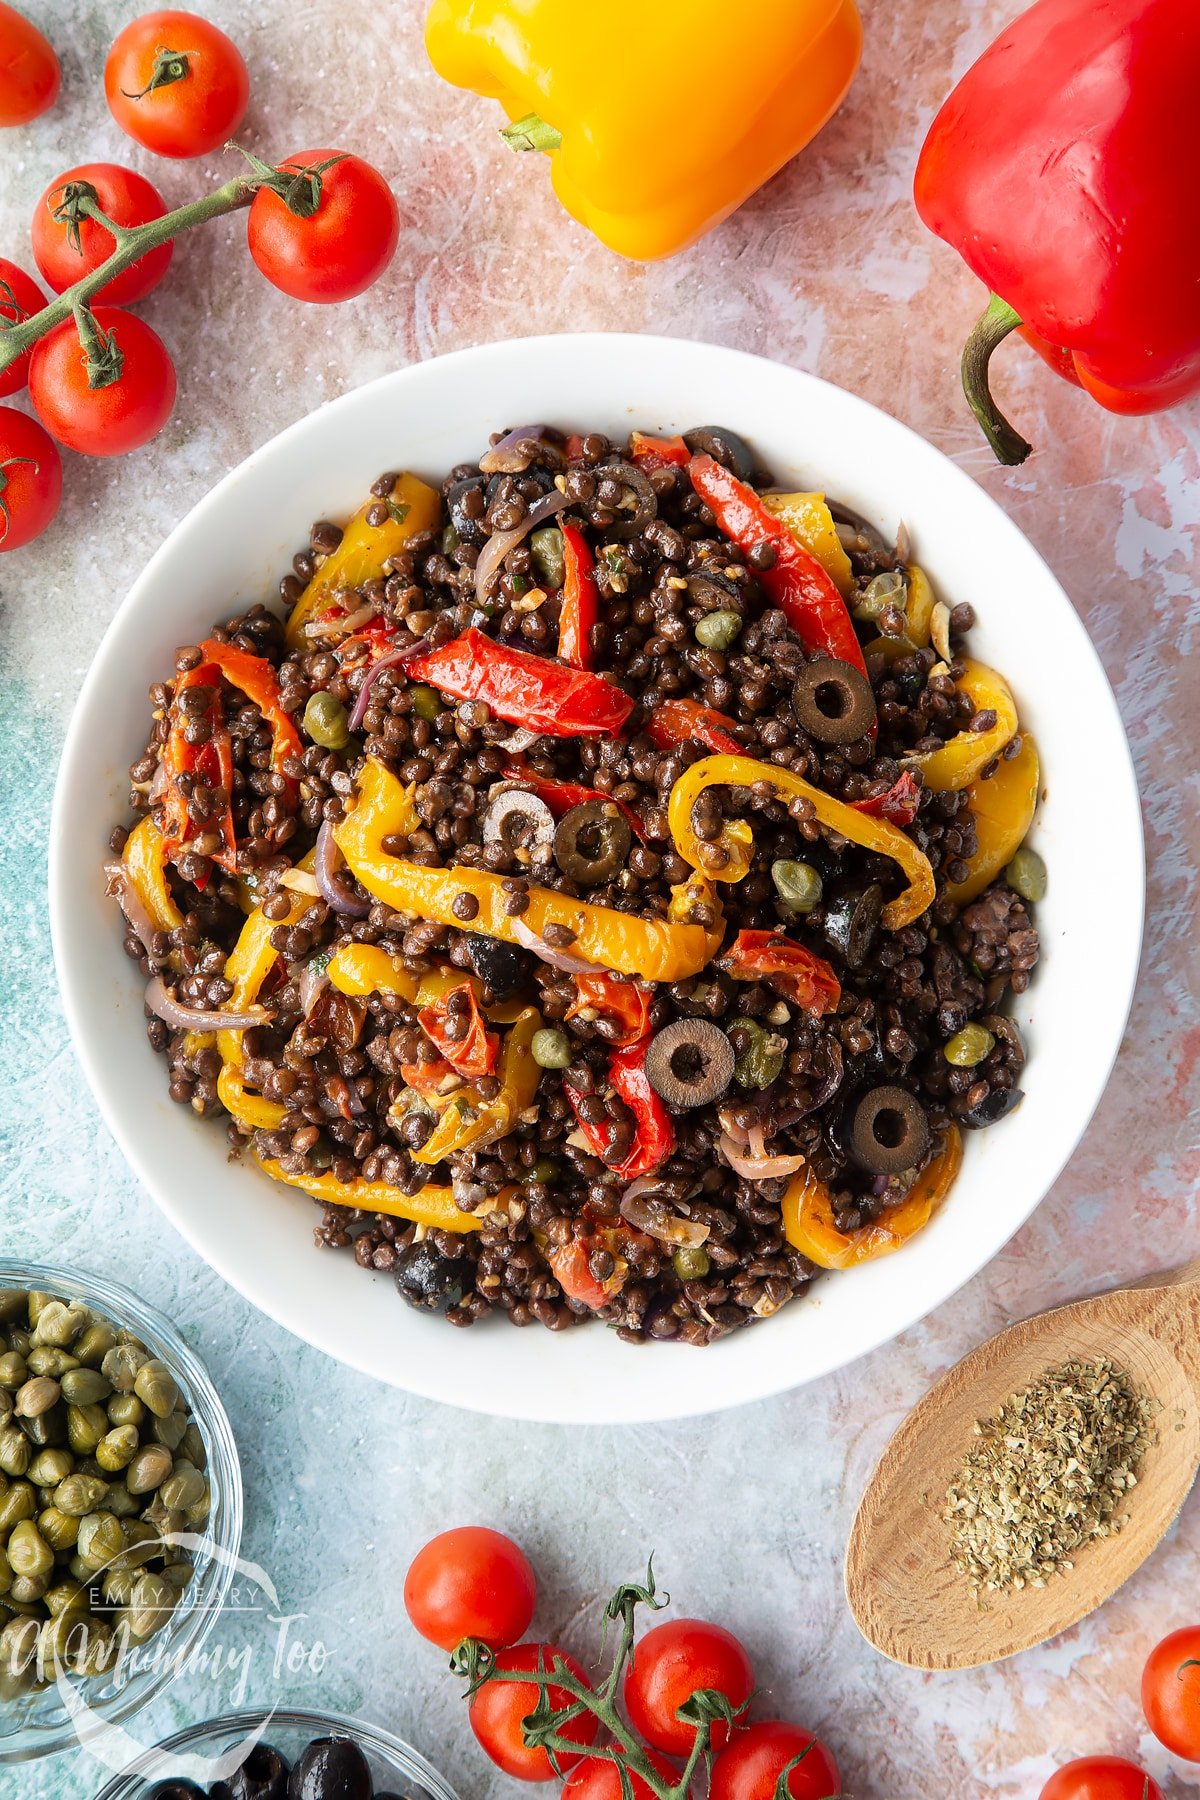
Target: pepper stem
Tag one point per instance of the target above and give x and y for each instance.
(999, 319)
(531, 133)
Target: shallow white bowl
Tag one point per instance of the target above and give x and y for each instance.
(230, 551)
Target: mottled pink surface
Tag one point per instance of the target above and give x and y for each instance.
(828, 269)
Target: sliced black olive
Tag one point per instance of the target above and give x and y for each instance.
(724, 446)
(716, 593)
(263, 1776)
(889, 1131)
(179, 1790)
(592, 842)
(501, 967)
(331, 1769)
(517, 820)
(996, 1105)
(638, 503)
(851, 921)
(470, 531)
(833, 702)
(690, 1062)
(430, 1281)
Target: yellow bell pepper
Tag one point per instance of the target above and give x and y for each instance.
(918, 615)
(807, 1209)
(470, 1121)
(431, 1206)
(247, 967)
(1003, 809)
(956, 764)
(655, 949)
(660, 122)
(364, 549)
(362, 969)
(143, 860)
(873, 834)
(810, 522)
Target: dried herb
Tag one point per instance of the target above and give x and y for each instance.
(1046, 1475)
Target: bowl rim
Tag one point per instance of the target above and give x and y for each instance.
(772, 1376)
(125, 1308)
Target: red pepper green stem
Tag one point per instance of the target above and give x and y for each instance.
(999, 319)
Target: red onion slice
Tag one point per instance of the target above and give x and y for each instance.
(310, 986)
(569, 961)
(501, 542)
(196, 1018)
(391, 660)
(519, 741)
(121, 889)
(504, 457)
(325, 868)
(657, 1219)
(326, 627)
(757, 1168)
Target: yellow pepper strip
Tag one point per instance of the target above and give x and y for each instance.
(432, 1206)
(918, 608)
(810, 522)
(873, 834)
(365, 548)
(808, 1213)
(1003, 809)
(247, 967)
(958, 762)
(366, 969)
(659, 130)
(143, 860)
(657, 950)
(470, 1120)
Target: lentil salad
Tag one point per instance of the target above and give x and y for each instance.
(594, 892)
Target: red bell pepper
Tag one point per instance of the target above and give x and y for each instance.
(654, 1138)
(569, 1263)
(561, 796)
(524, 689)
(899, 804)
(426, 1077)
(625, 1001)
(675, 722)
(254, 677)
(658, 453)
(798, 584)
(1063, 170)
(792, 970)
(212, 760)
(580, 600)
(473, 1053)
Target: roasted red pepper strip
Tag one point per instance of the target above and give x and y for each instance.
(213, 760)
(254, 677)
(473, 1053)
(625, 1001)
(561, 796)
(426, 1078)
(570, 1265)
(675, 722)
(790, 969)
(899, 804)
(658, 453)
(526, 690)
(654, 1138)
(580, 600)
(799, 585)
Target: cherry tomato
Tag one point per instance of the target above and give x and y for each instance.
(103, 421)
(176, 84)
(1101, 1778)
(751, 1766)
(346, 244)
(30, 478)
(667, 1667)
(29, 71)
(1171, 1692)
(20, 296)
(470, 1582)
(595, 1778)
(498, 1707)
(128, 199)
(570, 1265)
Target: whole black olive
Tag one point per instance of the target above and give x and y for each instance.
(724, 446)
(430, 1281)
(263, 1776)
(177, 1790)
(331, 1769)
(996, 1105)
(502, 967)
(833, 701)
(471, 531)
(888, 1131)
(851, 922)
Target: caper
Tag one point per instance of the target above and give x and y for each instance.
(155, 1385)
(60, 1641)
(1026, 875)
(691, 1264)
(197, 1516)
(969, 1046)
(125, 1409)
(47, 1359)
(101, 1538)
(28, 1588)
(117, 1448)
(549, 555)
(148, 1469)
(86, 1426)
(184, 1487)
(142, 1545)
(325, 721)
(6, 1574)
(36, 1304)
(95, 1344)
(890, 589)
(169, 1431)
(13, 1370)
(36, 1397)
(717, 630)
(450, 540)
(760, 1060)
(14, 1304)
(117, 1585)
(543, 1170)
(66, 1596)
(49, 1467)
(178, 1573)
(19, 1340)
(20, 1502)
(192, 1448)
(49, 1427)
(122, 1502)
(60, 1324)
(80, 1494)
(85, 1387)
(797, 884)
(59, 1529)
(426, 702)
(150, 1605)
(18, 1656)
(97, 1651)
(121, 1364)
(550, 1048)
(16, 1452)
(27, 1550)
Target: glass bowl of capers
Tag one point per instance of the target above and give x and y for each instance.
(120, 1505)
(319, 1756)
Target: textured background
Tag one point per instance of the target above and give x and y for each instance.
(829, 269)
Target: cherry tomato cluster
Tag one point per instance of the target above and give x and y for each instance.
(1171, 1703)
(472, 1592)
(102, 382)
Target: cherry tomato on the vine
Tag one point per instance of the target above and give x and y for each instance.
(128, 199)
(20, 296)
(103, 421)
(749, 1769)
(29, 73)
(1101, 1778)
(343, 247)
(667, 1667)
(30, 478)
(498, 1707)
(1171, 1692)
(470, 1582)
(176, 84)
(595, 1778)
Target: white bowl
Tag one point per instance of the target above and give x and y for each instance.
(230, 551)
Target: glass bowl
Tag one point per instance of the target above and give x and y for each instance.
(39, 1724)
(395, 1767)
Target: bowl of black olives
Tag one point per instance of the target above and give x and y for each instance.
(289, 1756)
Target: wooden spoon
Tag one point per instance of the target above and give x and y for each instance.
(908, 1597)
